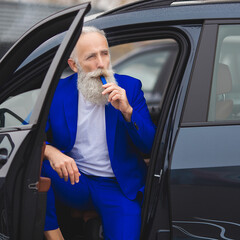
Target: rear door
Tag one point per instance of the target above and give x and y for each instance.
(204, 181)
(29, 75)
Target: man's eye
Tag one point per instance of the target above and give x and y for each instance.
(89, 57)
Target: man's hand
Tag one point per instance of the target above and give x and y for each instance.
(118, 98)
(64, 165)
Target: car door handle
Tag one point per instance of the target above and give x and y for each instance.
(3, 156)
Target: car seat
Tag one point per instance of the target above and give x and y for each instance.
(224, 106)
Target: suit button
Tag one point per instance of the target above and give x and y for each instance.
(136, 126)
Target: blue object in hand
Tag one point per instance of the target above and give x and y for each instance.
(103, 80)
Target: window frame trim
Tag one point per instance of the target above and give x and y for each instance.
(202, 69)
(203, 121)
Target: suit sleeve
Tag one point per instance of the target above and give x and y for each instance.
(141, 128)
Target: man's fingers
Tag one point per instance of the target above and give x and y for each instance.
(76, 172)
(57, 168)
(65, 173)
(73, 172)
(115, 97)
(70, 173)
(64, 165)
(110, 88)
(108, 85)
(113, 94)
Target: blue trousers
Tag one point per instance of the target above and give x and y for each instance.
(121, 217)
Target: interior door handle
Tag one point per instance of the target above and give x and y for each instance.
(3, 156)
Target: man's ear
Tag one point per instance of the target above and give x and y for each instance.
(72, 65)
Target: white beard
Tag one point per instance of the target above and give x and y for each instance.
(90, 85)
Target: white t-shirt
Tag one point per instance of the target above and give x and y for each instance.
(90, 150)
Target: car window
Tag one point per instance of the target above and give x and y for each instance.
(225, 92)
(25, 84)
(149, 61)
(17, 110)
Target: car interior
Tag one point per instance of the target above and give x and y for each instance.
(225, 102)
(224, 106)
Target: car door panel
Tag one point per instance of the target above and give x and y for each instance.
(6, 148)
(204, 183)
(11, 141)
(23, 191)
(204, 171)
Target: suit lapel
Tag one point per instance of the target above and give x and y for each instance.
(71, 113)
(111, 123)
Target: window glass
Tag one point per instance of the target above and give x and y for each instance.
(149, 61)
(225, 92)
(17, 110)
(146, 65)
(23, 88)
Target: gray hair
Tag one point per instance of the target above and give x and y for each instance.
(92, 29)
(85, 30)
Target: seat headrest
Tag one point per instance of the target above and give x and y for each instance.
(224, 81)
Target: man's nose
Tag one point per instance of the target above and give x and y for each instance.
(100, 63)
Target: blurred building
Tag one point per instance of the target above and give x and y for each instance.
(17, 16)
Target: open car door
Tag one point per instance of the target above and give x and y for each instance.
(29, 75)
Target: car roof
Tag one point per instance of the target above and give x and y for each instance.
(190, 2)
(160, 4)
(170, 11)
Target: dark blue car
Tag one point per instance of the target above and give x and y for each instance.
(193, 182)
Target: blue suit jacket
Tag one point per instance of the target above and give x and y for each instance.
(125, 140)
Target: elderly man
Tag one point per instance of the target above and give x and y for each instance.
(98, 133)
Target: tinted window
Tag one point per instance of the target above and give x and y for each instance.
(17, 110)
(225, 93)
(149, 61)
(24, 85)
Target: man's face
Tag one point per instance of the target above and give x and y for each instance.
(92, 52)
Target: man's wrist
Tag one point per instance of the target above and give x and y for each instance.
(128, 114)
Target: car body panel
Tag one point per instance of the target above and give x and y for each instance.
(205, 183)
